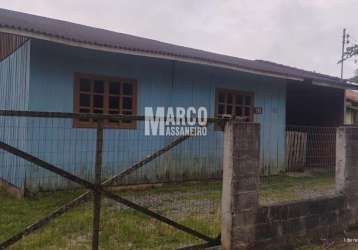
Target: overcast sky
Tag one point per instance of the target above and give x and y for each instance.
(301, 33)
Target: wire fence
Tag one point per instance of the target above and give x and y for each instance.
(311, 149)
(160, 192)
(152, 195)
(309, 169)
(73, 149)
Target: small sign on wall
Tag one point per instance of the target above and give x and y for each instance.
(258, 110)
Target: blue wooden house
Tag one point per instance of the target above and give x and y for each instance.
(52, 65)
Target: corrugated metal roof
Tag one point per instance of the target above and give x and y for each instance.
(56, 29)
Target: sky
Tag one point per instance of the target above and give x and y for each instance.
(300, 33)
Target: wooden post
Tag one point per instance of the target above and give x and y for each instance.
(97, 194)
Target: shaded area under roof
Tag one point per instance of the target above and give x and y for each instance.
(57, 31)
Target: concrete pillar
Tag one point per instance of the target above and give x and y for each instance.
(240, 184)
(347, 168)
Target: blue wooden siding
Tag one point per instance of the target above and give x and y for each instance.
(14, 94)
(160, 83)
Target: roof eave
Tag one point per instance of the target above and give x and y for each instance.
(338, 85)
(61, 40)
(141, 53)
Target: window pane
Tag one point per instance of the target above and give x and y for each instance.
(85, 100)
(247, 100)
(247, 111)
(221, 109)
(104, 96)
(85, 85)
(98, 101)
(238, 111)
(114, 88)
(221, 97)
(229, 109)
(229, 98)
(127, 89)
(114, 102)
(239, 100)
(98, 86)
(127, 103)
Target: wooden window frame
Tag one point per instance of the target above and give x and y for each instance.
(234, 93)
(106, 79)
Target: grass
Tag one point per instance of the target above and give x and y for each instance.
(287, 188)
(193, 204)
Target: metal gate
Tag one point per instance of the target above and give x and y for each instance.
(98, 188)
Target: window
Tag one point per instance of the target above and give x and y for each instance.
(235, 103)
(104, 95)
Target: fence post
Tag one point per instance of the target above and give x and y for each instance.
(240, 184)
(97, 195)
(347, 168)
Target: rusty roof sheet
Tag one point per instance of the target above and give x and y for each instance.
(352, 95)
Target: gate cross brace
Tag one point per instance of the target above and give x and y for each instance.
(85, 197)
(206, 245)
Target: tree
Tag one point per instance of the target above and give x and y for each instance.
(355, 77)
